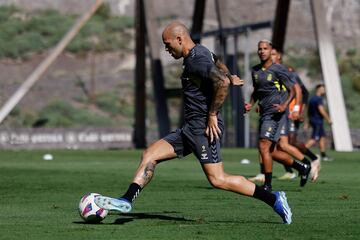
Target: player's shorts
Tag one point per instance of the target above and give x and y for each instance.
(185, 141)
(270, 126)
(285, 124)
(294, 126)
(318, 131)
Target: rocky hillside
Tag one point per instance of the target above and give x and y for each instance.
(112, 72)
(343, 16)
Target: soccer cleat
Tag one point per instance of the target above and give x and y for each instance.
(258, 178)
(327, 159)
(315, 169)
(282, 208)
(304, 175)
(288, 176)
(116, 204)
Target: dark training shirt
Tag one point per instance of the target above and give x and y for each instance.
(313, 110)
(197, 87)
(270, 86)
(304, 91)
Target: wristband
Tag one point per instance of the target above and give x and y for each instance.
(296, 108)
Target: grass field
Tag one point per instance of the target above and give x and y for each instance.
(38, 199)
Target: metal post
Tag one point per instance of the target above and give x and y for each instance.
(140, 77)
(198, 18)
(280, 23)
(247, 88)
(156, 67)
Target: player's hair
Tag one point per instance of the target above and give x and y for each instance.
(277, 49)
(265, 41)
(319, 86)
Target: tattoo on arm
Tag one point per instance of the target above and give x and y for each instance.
(148, 174)
(220, 87)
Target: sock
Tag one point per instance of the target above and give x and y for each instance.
(288, 169)
(268, 178)
(300, 165)
(265, 196)
(323, 154)
(132, 192)
(310, 154)
(262, 170)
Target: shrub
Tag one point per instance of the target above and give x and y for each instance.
(41, 30)
(356, 81)
(63, 114)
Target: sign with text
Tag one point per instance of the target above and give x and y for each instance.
(65, 138)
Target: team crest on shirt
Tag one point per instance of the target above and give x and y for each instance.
(269, 77)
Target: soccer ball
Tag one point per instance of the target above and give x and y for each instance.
(89, 211)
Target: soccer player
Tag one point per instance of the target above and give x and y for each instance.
(269, 82)
(294, 113)
(205, 88)
(317, 114)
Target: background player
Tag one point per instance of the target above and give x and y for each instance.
(269, 81)
(295, 113)
(317, 114)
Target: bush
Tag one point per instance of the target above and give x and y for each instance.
(111, 103)
(63, 114)
(356, 81)
(42, 30)
(6, 12)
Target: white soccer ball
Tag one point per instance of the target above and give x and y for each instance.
(89, 211)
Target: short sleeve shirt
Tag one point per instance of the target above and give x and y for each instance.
(313, 110)
(197, 87)
(269, 85)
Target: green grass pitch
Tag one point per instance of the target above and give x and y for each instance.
(39, 199)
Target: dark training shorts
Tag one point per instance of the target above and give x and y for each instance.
(285, 125)
(294, 126)
(270, 126)
(318, 131)
(185, 141)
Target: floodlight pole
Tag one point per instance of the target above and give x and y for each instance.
(280, 23)
(330, 71)
(40, 70)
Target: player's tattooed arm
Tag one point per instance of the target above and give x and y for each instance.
(147, 174)
(220, 90)
(234, 79)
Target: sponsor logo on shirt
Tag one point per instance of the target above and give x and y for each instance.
(204, 155)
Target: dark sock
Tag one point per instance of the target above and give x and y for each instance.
(262, 168)
(300, 165)
(310, 154)
(288, 169)
(265, 196)
(132, 192)
(268, 178)
(323, 154)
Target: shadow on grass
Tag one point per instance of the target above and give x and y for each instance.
(87, 223)
(128, 217)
